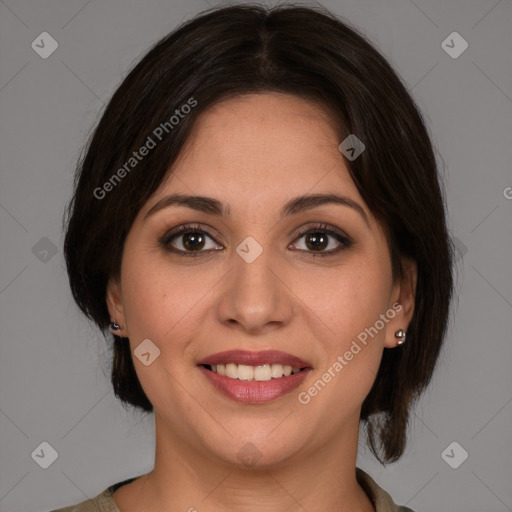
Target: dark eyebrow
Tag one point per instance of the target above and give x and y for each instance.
(296, 205)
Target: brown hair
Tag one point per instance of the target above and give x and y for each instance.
(304, 51)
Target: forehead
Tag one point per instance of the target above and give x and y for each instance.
(257, 150)
(254, 154)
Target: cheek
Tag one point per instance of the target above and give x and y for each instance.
(158, 304)
(345, 309)
(161, 301)
(345, 300)
(147, 294)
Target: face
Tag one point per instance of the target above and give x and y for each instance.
(313, 283)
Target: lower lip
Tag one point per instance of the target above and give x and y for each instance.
(254, 392)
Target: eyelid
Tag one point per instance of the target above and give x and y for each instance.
(343, 239)
(190, 227)
(322, 226)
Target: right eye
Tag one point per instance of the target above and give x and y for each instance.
(193, 239)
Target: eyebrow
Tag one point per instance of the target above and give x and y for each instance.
(296, 205)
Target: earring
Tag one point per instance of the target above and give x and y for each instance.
(115, 326)
(400, 335)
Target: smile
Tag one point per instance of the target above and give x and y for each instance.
(254, 377)
(264, 372)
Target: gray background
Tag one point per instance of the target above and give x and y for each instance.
(54, 381)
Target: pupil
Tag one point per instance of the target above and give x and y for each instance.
(317, 241)
(196, 240)
(193, 240)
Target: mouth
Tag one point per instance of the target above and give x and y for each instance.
(260, 373)
(254, 377)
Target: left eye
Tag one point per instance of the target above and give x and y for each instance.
(317, 240)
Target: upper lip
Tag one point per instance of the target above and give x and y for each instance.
(250, 358)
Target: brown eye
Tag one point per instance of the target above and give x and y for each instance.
(188, 241)
(318, 239)
(193, 240)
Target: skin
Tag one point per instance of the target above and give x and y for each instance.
(254, 153)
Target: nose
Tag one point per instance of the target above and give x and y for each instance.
(256, 296)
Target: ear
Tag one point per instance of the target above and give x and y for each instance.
(115, 306)
(402, 301)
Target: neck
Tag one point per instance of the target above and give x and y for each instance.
(320, 479)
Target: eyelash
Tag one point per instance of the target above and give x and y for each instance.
(165, 240)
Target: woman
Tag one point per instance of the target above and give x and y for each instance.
(258, 219)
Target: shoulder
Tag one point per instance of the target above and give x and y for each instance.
(91, 505)
(103, 502)
(382, 501)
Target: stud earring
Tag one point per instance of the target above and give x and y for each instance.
(400, 335)
(115, 326)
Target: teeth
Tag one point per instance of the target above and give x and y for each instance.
(245, 372)
(276, 370)
(262, 372)
(231, 371)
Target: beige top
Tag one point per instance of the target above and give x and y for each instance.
(104, 502)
